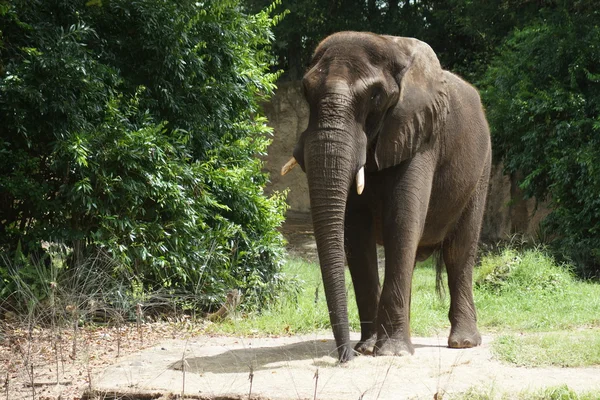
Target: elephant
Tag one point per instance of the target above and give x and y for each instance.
(397, 152)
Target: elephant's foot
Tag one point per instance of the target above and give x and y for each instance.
(345, 353)
(394, 347)
(367, 346)
(464, 339)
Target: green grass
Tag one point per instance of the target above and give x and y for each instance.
(307, 311)
(528, 292)
(301, 312)
(559, 393)
(543, 314)
(559, 349)
(552, 393)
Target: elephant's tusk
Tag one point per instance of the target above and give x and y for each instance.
(360, 180)
(288, 166)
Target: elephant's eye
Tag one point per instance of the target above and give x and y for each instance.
(376, 95)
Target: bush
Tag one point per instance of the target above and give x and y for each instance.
(135, 127)
(528, 271)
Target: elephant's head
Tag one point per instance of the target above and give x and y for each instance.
(374, 101)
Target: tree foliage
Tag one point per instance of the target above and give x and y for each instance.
(135, 127)
(464, 34)
(543, 96)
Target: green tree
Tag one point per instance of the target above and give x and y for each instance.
(310, 21)
(543, 99)
(135, 127)
(465, 34)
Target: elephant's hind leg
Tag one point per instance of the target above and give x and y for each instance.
(361, 253)
(459, 252)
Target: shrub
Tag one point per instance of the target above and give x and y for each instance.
(529, 271)
(135, 127)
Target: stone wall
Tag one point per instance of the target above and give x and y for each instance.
(288, 115)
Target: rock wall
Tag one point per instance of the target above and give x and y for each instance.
(288, 115)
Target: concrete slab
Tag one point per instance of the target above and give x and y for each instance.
(305, 367)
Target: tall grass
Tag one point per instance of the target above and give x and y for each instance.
(50, 290)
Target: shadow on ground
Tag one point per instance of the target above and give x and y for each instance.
(241, 360)
(322, 352)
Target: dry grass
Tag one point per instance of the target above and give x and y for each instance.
(38, 363)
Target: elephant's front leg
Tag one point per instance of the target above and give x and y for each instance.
(361, 254)
(405, 210)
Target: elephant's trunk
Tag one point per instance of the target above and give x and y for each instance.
(331, 166)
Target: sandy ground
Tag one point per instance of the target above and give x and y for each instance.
(174, 358)
(288, 367)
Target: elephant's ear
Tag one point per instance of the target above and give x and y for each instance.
(420, 113)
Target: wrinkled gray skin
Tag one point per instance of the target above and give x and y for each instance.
(385, 103)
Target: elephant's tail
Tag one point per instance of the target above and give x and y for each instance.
(439, 269)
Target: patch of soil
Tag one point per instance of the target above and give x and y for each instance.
(40, 363)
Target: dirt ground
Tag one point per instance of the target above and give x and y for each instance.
(305, 367)
(176, 357)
